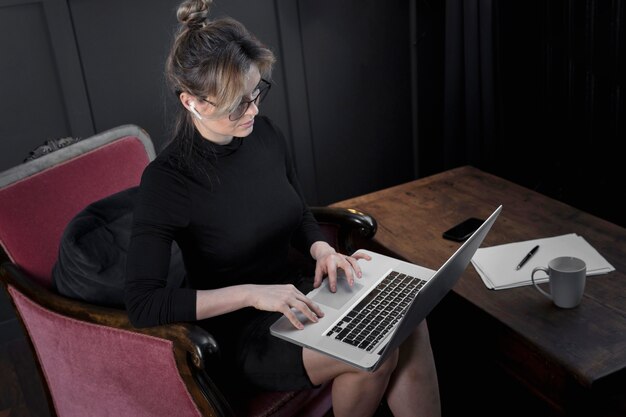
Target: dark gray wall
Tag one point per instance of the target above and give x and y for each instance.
(358, 87)
(42, 94)
(340, 93)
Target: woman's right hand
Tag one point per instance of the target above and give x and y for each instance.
(282, 298)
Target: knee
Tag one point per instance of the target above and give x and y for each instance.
(389, 365)
(381, 376)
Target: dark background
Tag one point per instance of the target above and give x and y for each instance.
(369, 93)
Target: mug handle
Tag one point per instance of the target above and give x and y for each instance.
(532, 277)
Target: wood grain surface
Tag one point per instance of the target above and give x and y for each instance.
(562, 354)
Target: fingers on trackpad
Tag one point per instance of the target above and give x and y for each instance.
(337, 299)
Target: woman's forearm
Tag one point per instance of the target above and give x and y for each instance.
(211, 303)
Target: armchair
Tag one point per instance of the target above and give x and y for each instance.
(91, 359)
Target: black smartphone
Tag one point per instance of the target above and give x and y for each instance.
(463, 230)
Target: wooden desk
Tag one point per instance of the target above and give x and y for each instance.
(574, 360)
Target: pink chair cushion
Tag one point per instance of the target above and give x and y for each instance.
(32, 207)
(94, 370)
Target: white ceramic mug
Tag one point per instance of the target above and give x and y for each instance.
(567, 277)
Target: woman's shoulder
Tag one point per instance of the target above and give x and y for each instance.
(163, 171)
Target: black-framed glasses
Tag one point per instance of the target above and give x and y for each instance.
(259, 93)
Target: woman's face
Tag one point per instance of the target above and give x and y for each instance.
(221, 130)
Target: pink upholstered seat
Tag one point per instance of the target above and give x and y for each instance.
(42, 197)
(93, 362)
(109, 368)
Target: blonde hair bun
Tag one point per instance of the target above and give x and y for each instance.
(193, 12)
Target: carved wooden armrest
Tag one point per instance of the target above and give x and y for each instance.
(352, 225)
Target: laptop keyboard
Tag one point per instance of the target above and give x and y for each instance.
(369, 321)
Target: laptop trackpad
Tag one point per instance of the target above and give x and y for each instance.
(337, 299)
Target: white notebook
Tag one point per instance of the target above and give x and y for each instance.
(496, 264)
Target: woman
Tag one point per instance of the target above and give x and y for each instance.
(226, 191)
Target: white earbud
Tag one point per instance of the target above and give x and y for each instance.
(192, 109)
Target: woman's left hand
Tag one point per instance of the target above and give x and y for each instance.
(328, 261)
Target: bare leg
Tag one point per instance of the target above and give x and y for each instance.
(414, 388)
(355, 392)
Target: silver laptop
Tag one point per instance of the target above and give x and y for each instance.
(362, 324)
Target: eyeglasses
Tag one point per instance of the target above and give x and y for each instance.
(257, 95)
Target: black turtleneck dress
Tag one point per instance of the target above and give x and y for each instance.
(234, 210)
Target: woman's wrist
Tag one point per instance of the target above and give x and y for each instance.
(248, 291)
(321, 248)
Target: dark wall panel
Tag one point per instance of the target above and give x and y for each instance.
(357, 65)
(32, 105)
(260, 18)
(123, 47)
